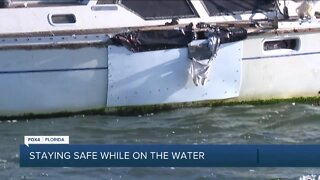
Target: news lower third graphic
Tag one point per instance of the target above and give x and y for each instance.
(55, 151)
(46, 140)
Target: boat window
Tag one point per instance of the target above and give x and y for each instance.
(292, 44)
(222, 7)
(161, 9)
(3, 4)
(107, 2)
(63, 19)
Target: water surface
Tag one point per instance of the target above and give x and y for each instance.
(284, 123)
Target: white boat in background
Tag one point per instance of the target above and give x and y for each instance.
(77, 55)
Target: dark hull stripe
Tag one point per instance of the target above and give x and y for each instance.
(53, 70)
(279, 56)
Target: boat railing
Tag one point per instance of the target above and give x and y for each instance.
(40, 3)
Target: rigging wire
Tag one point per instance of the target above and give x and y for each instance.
(284, 12)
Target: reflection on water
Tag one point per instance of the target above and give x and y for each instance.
(283, 123)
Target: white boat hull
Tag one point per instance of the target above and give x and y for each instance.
(56, 58)
(53, 80)
(159, 77)
(281, 73)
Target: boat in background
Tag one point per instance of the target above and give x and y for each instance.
(77, 55)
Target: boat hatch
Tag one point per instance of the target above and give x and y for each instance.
(156, 9)
(218, 7)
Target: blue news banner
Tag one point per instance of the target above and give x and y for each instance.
(169, 155)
